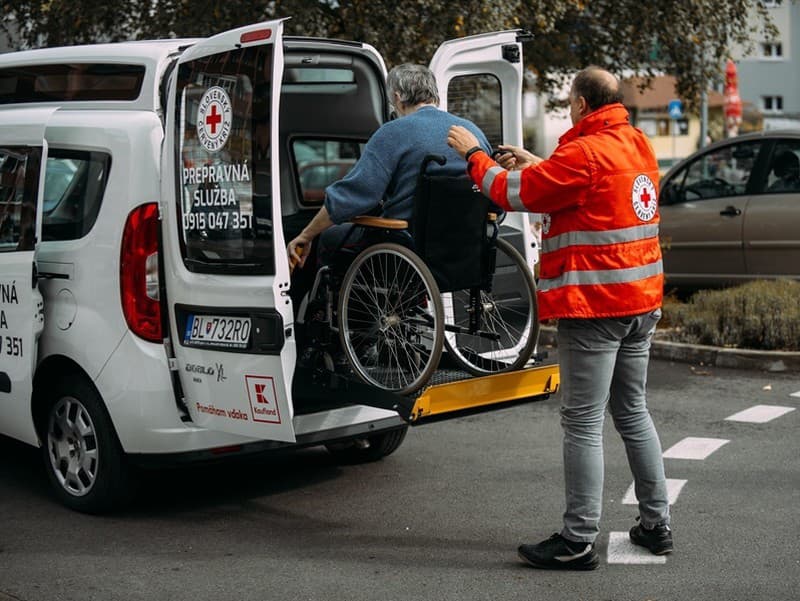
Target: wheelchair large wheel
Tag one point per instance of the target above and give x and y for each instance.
(493, 332)
(390, 319)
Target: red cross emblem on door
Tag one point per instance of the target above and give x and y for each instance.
(213, 119)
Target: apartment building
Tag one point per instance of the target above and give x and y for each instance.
(768, 80)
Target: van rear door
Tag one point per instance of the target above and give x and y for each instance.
(227, 277)
(480, 78)
(23, 156)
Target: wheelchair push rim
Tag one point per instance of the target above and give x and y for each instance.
(390, 319)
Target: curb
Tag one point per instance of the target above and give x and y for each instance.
(712, 356)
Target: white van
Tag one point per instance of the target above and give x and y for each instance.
(107, 285)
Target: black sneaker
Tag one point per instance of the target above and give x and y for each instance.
(558, 553)
(658, 540)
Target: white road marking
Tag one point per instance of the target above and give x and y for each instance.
(796, 394)
(694, 448)
(673, 490)
(759, 414)
(622, 550)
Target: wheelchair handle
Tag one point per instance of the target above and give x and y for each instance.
(432, 158)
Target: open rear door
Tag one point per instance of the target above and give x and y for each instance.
(23, 156)
(227, 277)
(480, 78)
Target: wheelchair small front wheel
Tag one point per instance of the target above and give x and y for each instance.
(391, 320)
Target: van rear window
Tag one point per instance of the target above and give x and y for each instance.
(70, 82)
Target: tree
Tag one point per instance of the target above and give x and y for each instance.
(687, 38)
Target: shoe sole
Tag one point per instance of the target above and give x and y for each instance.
(593, 564)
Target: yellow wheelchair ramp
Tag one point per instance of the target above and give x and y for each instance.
(478, 394)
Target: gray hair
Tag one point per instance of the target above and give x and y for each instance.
(414, 84)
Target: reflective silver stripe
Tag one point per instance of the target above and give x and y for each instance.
(514, 182)
(488, 179)
(627, 234)
(605, 276)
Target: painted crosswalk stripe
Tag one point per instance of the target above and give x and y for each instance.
(796, 394)
(694, 448)
(673, 490)
(760, 414)
(622, 550)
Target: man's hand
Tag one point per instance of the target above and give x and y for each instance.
(460, 139)
(516, 158)
(298, 251)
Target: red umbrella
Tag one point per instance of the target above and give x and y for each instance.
(733, 104)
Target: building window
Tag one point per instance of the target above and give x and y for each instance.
(648, 126)
(772, 104)
(771, 50)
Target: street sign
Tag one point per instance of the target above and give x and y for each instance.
(675, 109)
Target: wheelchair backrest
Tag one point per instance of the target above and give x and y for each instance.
(450, 231)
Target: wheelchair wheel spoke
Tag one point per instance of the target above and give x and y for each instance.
(494, 331)
(390, 318)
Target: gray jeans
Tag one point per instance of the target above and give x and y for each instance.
(604, 362)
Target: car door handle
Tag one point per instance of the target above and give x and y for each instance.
(730, 211)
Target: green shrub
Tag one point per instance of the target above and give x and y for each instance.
(762, 315)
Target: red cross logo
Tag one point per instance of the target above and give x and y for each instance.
(643, 197)
(213, 119)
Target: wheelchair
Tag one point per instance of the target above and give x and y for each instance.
(447, 282)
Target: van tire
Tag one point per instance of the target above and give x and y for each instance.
(83, 458)
(369, 448)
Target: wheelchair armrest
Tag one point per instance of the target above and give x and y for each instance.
(380, 222)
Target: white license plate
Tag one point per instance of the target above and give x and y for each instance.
(216, 330)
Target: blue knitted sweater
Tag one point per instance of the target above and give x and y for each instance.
(388, 168)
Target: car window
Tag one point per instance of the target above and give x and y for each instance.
(19, 181)
(784, 169)
(719, 173)
(319, 163)
(478, 98)
(223, 189)
(74, 184)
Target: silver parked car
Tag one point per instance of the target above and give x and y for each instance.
(731, 212)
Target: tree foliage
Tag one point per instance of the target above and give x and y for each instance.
(687, 38)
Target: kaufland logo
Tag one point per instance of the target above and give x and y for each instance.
(263, 399)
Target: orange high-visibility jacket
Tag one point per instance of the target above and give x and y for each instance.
(600, 251)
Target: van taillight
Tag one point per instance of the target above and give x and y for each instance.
(139, 273)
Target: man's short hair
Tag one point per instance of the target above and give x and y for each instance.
(415, 84)
(597, 86)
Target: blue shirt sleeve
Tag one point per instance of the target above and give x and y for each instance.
(364, 187)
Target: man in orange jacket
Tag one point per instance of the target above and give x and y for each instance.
(601, 277)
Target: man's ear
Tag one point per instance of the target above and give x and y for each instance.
(583, 106)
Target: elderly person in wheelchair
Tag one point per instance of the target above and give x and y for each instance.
(385, 177)
(401, 284)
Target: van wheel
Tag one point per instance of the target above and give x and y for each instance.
(370, 448)
(83, 458)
